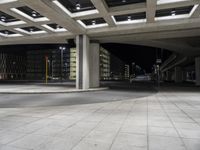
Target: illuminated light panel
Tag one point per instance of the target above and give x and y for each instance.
(160, 2)
(176, 13)
(54, 30)
(77, 14)
(30, 33)
(12, 23)
(7, 33)
(8, 20)
(172, 17)
(29, 17)
(129, 21)
(92, 26)
(130, 18)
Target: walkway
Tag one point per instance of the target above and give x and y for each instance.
(165, 120)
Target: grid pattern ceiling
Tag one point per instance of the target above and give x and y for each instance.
(113, 3)
(81, 16)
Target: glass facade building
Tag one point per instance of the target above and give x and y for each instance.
(61, 64)
(104, 64)
(12, 65)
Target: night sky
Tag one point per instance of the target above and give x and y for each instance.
(145, 57)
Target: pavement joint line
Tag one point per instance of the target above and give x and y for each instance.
(184, 111)
(94, 127)
(172, 121)
(57, 133)
(147, 101)
(122, 125)
(84, 118)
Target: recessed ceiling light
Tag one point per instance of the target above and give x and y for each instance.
(31, 30)
(6, 32)
(3, 18)
(58, 27)
(78, 6)
(173, 12)
(93, 22)
(129, 18)
(34, 14)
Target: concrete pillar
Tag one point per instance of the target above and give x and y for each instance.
(178, 75)
(197, 70)
(87, 63)
(184, 77)
(94, 64)
(168, 76)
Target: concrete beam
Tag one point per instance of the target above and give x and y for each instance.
(180, 3)
(152, 36)
(102, 7)
(11, 5)
(58, 16)
(141, 7)
(167, 25)
(177, 63)
(151, 10)
(38, 39)
(127, 9)
(196, 12)
(27, 21)
(168, 61)
(88, 16)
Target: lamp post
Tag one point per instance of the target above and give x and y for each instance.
(62, 48)
(158, 62)
(46, 70)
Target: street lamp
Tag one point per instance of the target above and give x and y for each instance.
(62, 48)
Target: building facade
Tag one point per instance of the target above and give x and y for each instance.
(104, 64)
(127, 72)
(72, 64)
(61, 65)
(12, 65)
(117, 68)
(58, 64)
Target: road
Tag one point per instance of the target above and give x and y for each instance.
(118, 91)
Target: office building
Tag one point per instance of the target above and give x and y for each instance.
(127, 72)
(104, 64)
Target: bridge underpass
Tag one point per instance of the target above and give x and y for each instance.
(138, 116)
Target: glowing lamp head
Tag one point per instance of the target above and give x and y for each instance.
(78, 6)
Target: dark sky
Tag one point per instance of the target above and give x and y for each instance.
(145, 57)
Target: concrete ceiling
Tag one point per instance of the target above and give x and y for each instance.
(178, 32)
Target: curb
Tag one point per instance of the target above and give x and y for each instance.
(57, 92)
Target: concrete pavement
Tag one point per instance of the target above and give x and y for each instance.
(38, 88)
(167, 120)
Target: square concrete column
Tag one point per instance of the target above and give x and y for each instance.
(87, 63)
(94, 64)
(178, 75)
(197, 70)
(168, 76)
